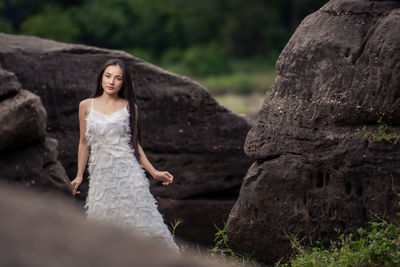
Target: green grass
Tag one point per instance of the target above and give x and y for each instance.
(246, 77)
(378, 246)
(174, 225)
(242, 90)
(243, 93)
(241, 104)
(241, 83)
(222, 251)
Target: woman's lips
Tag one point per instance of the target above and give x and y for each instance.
(109, 87)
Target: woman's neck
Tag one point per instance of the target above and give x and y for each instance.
(106, 98)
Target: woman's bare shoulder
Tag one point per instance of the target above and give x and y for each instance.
(85, 104)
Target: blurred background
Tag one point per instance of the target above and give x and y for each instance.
(228, 46)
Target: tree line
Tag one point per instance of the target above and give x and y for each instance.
(165, 31)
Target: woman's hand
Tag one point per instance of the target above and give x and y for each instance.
(163, 176)
(75, 183)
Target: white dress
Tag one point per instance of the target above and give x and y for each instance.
(119, 190)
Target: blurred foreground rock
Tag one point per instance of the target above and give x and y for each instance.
(47, 231)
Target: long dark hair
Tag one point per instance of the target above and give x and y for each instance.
(127, 93)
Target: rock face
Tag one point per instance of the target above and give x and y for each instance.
(311, 173)
(27, 156)
(184, 130)
(66, 238)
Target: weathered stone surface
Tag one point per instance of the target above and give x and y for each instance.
(27, 156)
(8, 83)
(311, 175)
(49, 230)
(185, 131)
(36, 166)
(22, 120)
(193, 169)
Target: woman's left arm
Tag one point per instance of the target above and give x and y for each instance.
(163, 176)
(144, 161)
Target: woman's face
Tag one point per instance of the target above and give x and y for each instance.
(112, 79)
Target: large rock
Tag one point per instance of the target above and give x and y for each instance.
(27, 156)
(47, 231)
(185, 131)
(311, 174)
(22, 120)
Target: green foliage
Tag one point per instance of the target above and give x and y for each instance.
(141, 53)
(206, 59)
(172, 56)
(240, 104)
(169, 31)
(107, 23)
(240, 83)
(14, 12)
(5, 26)
(174, 225)
(52, 23)
(378, 246)
(221, 246)
(255, 28)
(384, 133)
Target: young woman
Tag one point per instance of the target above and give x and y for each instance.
(118, 188)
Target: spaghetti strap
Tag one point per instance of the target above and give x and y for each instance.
(92, 104)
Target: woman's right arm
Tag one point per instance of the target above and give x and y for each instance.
(83, 148)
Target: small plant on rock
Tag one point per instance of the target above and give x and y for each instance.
(384, 133)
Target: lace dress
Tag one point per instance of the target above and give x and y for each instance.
(118, 187)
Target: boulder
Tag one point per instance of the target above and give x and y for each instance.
(184, 130)
(27, 156)
(36, 166)
(22, 120)
(311, 174)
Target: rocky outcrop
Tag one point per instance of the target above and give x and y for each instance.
(185, 131)
(22, 114)
(51, 231)
(311, 173)
(27, 156)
